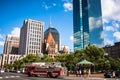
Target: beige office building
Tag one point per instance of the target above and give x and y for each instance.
(10, 53)
(31, 37)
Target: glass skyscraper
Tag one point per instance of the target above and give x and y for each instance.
(87, 23)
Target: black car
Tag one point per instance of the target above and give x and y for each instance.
(117, 73)
(108, 74)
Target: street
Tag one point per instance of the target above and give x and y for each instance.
(19, 76)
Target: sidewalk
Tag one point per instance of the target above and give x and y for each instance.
(101, 75)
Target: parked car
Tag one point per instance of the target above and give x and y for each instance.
(18, 71)
(117, 73)
(15, 71)
(108, 74)
(22, 70)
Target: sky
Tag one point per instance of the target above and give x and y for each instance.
(14, 12)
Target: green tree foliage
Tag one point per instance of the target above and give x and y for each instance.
(28, 59)
(94, 53)
(8, 66)
(61, 58)
(46, 58)
(31, 58)
(114, 63)
(71, 61)
(90, 53)
(18, 64)
(80, 55)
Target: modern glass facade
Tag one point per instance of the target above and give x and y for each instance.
(87, 23)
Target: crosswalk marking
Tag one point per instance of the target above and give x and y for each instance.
(0, 77)
(6, 76)
(17, 76)
(10, 77)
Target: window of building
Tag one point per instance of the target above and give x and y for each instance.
(10, 57)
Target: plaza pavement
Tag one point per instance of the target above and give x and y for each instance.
(100, 75)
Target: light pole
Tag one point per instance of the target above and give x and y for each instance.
(107, 61)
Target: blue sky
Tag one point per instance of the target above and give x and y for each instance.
(13, 12)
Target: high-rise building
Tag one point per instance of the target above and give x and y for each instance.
(87, 23)
(10, 53)
(31, 37)
(54, 32)
(11, 45)
(1, 56)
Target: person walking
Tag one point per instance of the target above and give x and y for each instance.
(89, 72)
(80, 73)
(113, 74)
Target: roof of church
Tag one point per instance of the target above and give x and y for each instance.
(50, 38)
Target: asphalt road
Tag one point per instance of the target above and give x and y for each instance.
(19, 76)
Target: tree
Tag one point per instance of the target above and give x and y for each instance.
(71, 62)
(17, 64)
(28, 59)
(95, 55)
(61, 58)
(46, 58)
(8, 66)
(114, 63)
(31, 58)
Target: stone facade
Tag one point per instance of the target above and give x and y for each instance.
(113, 51)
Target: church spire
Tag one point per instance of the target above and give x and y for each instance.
(50, 24)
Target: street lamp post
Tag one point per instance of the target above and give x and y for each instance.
(107, 61)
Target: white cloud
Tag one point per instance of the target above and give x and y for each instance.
(94, 22)
(109, 28)
(15, 31)
(68, 6)
(111, 9)
(105, 21)
(46, 7)
(1, 43)
(1, 36)
(115, 25)
(108, 42)
(71, 38)
(54, 4)
(117, 35)
(99, 45)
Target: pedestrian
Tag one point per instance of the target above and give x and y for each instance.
(84, 72)
(77, 72)
(89, 72)
(68, 72)
(80, 73)
(113, 74)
